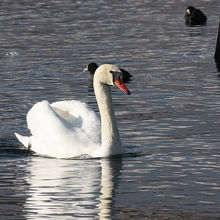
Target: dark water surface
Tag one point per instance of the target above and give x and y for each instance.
(171, 120)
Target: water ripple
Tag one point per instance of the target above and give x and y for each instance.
(169, 125)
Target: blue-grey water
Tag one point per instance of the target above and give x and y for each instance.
(170, 124)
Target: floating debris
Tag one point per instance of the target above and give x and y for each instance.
(11, 54)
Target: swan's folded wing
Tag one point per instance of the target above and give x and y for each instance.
(47, 126)
(58, 133)
(81, 117)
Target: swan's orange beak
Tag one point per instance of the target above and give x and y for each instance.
(121, 86)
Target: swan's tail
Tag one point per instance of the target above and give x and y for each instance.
(26, 141)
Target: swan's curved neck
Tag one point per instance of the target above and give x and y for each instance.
(111, 143)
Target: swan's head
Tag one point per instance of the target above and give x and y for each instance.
(111, 75)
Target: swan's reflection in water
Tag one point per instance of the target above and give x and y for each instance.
(109, 180)
(71, 188)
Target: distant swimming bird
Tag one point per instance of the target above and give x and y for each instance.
(194, 16)
(126, 76)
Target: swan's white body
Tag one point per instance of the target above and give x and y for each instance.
(70, 128)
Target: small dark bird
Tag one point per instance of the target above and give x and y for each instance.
(194, 16)
(93, 66)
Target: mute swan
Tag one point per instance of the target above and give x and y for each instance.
(126, 76)
(70, 128)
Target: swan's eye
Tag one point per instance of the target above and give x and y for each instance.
(114, 73)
